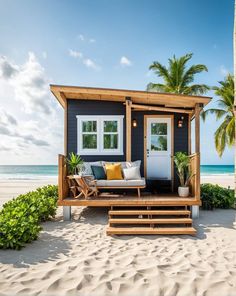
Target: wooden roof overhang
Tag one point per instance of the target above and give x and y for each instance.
(141, 100)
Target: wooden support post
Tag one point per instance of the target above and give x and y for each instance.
(128, 128)
(62, 182)
(197, 148)
(189, 135)
(65, 123)
(197, 128)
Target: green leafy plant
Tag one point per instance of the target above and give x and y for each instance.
(225, 133)
(20, 218)
(214, 196)
(178, 77)
(73, 162)
(182, 163)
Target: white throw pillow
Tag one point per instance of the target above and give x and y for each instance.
(132, 173)
(131, 164)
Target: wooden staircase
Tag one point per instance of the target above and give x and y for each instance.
(150, 221)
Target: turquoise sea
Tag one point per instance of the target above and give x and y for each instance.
(31, 172)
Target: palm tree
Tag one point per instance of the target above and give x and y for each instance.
(225, 133)
(177, 77)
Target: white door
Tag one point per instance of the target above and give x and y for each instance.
(158, 150)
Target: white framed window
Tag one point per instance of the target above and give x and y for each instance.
(100, 135)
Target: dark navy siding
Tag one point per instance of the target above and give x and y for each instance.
(90, 107)
(87, 107)
(180, 136)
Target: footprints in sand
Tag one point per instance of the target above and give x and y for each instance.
(99, 265)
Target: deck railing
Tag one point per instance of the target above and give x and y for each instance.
(195, 170)
(62, 174)
(63, 189)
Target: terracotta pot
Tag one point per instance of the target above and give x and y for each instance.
(183, 191)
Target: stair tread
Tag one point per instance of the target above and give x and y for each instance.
(150, 230)
(149, 220)
(149, 212)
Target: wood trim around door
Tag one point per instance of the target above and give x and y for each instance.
(172, 144)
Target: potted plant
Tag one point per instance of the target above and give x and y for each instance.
(74, 162)
(182, 163)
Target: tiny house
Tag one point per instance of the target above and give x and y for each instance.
(116, 125)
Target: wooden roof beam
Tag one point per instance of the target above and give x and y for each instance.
(163, 109)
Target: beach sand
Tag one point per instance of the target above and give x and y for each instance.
(12, 188)
(224, 181)
(77, 258)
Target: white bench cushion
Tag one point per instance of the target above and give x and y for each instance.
(121, 183)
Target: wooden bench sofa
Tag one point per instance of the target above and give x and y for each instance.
(88, 178)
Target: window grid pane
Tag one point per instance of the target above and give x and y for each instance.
(89, 126)
(89, 141)
(110, 126)
(158, 143)
(159, 128)
(100, 134)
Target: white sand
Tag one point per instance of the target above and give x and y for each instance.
(77, 258)
(12, 188)
(222, 180)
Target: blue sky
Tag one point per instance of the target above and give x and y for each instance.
(98, 43)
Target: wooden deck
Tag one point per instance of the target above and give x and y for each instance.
(131, 200)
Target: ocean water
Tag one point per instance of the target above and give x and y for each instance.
(33, 172)
(217, 170)
(27, 172)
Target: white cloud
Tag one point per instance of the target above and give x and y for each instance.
(124, 61)
(10, 128)
(223, 70)
(75, 54)
(7, 69)
(81, 37)
(5, 148)
(91, 64)
(29, 83)
(31, 123)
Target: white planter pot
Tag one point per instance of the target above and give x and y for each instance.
(183, 191)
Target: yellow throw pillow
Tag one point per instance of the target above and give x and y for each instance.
(113, 171)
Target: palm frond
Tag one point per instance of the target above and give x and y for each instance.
(176, 78)
(221, 138)
(160, 70)
(230, 130)
(192, 71)
(156, 87)
(196, 89)
(219, 113)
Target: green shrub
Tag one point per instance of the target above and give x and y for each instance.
(214, 196)
(20, 218)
